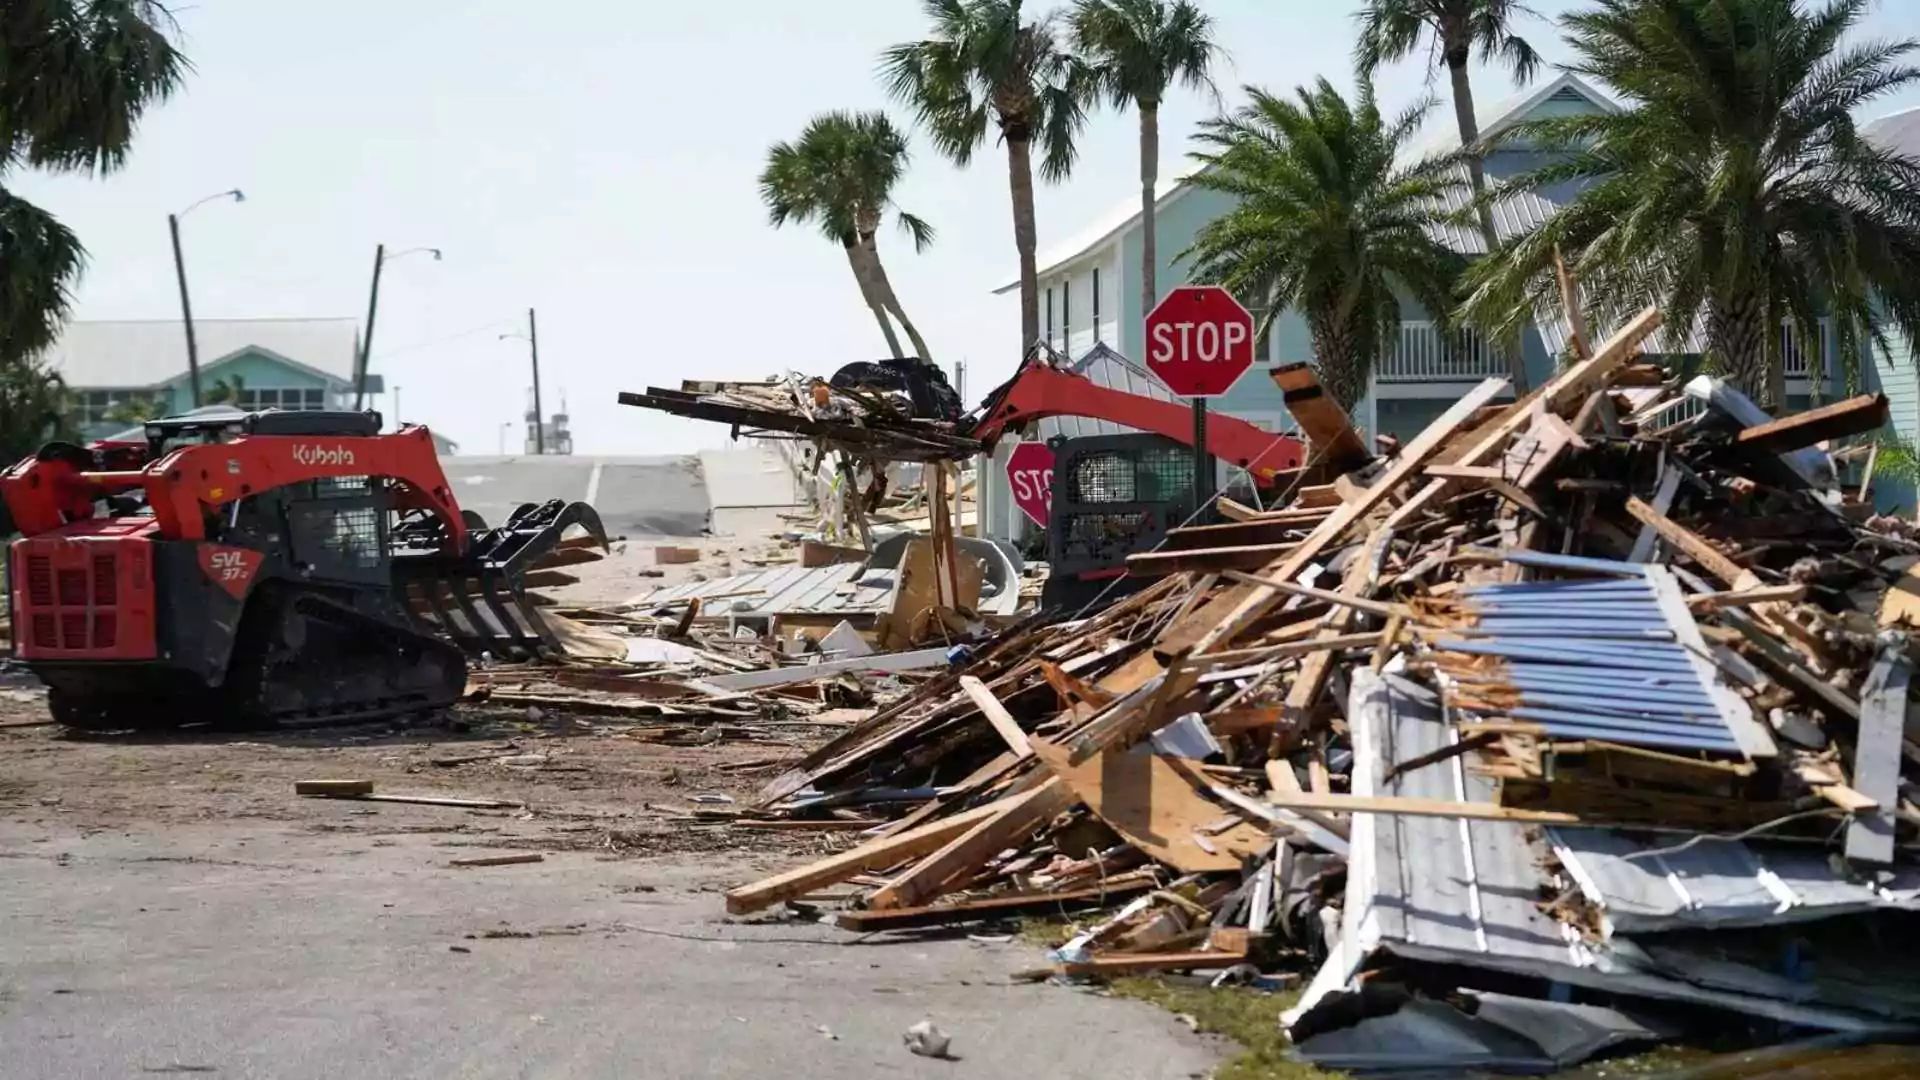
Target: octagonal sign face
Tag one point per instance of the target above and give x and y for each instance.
(1030, 474)
(1199, 340)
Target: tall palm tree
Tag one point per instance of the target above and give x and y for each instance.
(1326, 222)
(840, 175)
(75, 77)
(1136, 50)
(1734, 189)
(1393, 29)
(983, 64)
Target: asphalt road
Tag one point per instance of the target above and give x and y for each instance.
(291, 949)
(636, 496)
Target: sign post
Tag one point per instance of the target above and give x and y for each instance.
(1199, 342)
(1030, 475)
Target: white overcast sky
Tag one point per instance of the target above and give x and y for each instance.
(596, 159)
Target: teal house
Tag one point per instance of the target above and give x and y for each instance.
(1090, 296)
(291, 364)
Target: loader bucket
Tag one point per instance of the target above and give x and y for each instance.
(478, 600)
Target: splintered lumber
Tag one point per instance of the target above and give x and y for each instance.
(1155, 807)
(1876, 756)
(1854, 416)
(1687, 541)
(1643, 545)
(876, 854)
(333, 789)
(1901, 602)
(993, 907)
(1331, 440)
(500, 860)
(1251, 557)
(997, 715)
(1141, 963)
(1413, 457)
(1017, 816)
(438, 800)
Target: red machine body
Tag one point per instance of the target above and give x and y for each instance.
(1039, 390)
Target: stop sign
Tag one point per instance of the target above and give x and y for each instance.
(1030, 474)
(1199, 340)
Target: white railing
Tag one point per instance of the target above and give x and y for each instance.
(1794, 359)
(1423, 353)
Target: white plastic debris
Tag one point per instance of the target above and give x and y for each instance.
(927, 1040)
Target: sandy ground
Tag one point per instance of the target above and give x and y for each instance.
(172, 907)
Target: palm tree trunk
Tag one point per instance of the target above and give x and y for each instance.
(1149, 180)
(884, 287)
(1737, 332)
(1476, 171)
(856, 259)
(1020, 183)
(1336, 357)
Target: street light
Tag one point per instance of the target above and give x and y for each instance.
(380, 258)
(180, 271)
(532, 338)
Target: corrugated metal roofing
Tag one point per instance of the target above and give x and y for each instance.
(1458, 891)
(1617, 658)
(1105, 367)
(780, 590)
(139, 353)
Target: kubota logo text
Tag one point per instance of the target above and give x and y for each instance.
(322, 455)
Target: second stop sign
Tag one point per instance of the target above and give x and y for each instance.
(1199, 340)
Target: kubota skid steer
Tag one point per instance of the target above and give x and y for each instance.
(262, 568)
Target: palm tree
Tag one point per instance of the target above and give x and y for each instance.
(1734, 190)
(75, 77)
(840, 175)
(983, 64)
(1393, 29)
(1136, 49)
(1327, 222)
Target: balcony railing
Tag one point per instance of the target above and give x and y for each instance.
(1795, 359)
(1424, 353)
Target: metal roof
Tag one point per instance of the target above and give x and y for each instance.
(140, 353)
(1458, 891)
(841, 589)
(1105, 367)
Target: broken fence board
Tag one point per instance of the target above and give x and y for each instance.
(875, 854)
(1156, 808)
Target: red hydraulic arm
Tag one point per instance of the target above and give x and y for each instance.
(1040, 390)
(45, 494)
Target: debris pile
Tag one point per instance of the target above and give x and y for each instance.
(1582, 705)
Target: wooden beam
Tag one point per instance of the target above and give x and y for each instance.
(994, 907)
(1267, 529)
(1139, 963)
(1687, 541)
(966, 853)
(876, 854)
(997, 715)
(1332, 441)
(1765, 594)
(1205, 560)
(1662, 502)
(1854, 416)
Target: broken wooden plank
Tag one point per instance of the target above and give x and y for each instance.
(440, 800)
(333, 789)
(1876, 755)
(993, 907)
(1737, 598)
(1141, 963)
(1854, 416)
(1332, 442)
(1695, 546)
(1417, 807)
(997, 715)
(1413, 457)
(500, 860)
(939, 872)
(1204, 560)
(1662, 502)
(876, 854)
(1154, 806)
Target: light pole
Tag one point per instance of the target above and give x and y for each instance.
(505, 426)
(397, 414)
(380, 258)
(180, 271)
(532, 338)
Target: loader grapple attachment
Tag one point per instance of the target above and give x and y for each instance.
(478, 600)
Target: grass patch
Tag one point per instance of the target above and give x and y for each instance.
(1248, 1017)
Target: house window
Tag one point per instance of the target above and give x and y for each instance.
(1066, 314)
(1049, 315)
(286, 400)
(92, 408)
(1096, 305)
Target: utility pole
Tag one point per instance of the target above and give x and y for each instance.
(366, 343)
(186, 310)
(539, 417)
